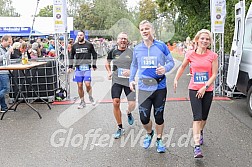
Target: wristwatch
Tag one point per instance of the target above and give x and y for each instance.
(206, 86)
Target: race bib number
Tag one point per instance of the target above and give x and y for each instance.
(84, 67)
(201, 77)
(149, 62)
(120, 73)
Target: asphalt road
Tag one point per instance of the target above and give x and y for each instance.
(66, 136)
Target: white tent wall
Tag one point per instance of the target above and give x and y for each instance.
(45, 25)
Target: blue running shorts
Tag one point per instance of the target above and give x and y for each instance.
(80, 76)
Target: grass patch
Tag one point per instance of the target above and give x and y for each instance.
(177, 56)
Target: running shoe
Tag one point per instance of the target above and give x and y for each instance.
(201, 138)
(147, 140)
(91, 99)
(130, 119)
(160, 146)
(4, 110)
(119, 133)
(197, 152)
(82, 105)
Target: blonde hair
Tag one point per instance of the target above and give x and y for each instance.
(16, 45)
(196, 38)
(146, 22)
(150, 24)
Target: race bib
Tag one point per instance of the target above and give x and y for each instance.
(84, 67)
(201, 77)
(149, 62)
(120, 73)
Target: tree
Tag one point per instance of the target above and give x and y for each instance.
(85, 19)
(148, 10)
(102, 15)
(6, 8)
(74, 6)
(195, 15)
(46, 11)
(109, 12)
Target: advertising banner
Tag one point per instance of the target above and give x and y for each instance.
(60, 16)
(15, 29)
(218, 15)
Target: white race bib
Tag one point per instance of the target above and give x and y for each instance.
(149, 62)
(84, 67)
(200, 77)
(120, 73)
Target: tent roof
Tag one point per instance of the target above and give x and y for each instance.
(45, 25)
(25, 34)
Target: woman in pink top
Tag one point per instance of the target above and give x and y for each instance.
(204, 65)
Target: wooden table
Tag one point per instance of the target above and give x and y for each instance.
(20, 66)
(26, 70)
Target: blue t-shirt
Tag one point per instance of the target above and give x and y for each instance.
(146, 60)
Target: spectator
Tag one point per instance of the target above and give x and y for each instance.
(5, 52)
(51, 45)
(51, 53)
(16, 51)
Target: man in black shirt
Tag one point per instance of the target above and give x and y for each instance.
(121, 57)
(81, 52)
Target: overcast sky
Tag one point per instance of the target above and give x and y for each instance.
(28, 7)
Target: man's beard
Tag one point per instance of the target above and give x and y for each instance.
(123, 45)
(81, 40)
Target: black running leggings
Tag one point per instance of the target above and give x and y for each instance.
(146, 99)
(201, 106)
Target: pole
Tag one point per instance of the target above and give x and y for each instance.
(33, 20)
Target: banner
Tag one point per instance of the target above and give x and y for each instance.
(218, 15)
(60, 16)
(15, 29)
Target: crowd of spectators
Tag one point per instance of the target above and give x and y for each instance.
(35, 48)
(44, 47)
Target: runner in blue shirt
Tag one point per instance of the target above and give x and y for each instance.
(151, 59)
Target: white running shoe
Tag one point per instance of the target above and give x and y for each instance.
(91, 99)
(82, 105)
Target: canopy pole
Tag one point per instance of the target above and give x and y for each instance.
(33, 20)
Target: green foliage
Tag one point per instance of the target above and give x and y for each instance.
(6, 9)
(109, 12)
(229, 24)
(85, 18)
(192, 15)
(147, 10)
(74, 6)
(108, 16)
(46, 11)
(195, 15)
(177, 37)
(112, 16)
